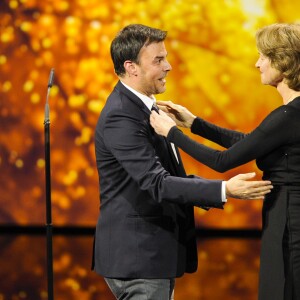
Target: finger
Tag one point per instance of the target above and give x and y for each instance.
(163, 108)
(169, 105)
(167, 112)
(245, 176)
(259, 184)
(263, 192)
(162, 113)
(153, 113)
(163, 103)
(257, 190)
(151, 119)
(174, 106)
(255, 195)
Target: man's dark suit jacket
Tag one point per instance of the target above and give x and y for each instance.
(146, 223)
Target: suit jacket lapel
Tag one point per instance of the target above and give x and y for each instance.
(132, 97)
(174, 167)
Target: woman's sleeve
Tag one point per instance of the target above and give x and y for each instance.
(269, 135)
(219, 135)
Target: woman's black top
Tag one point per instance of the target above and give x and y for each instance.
(275, 144)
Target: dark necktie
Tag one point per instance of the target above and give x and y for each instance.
(155, 108)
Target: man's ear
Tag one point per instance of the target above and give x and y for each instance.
(130, 68)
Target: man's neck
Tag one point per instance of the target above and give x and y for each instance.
(133, 85)
(148, 101)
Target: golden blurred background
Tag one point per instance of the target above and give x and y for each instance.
(211, 48)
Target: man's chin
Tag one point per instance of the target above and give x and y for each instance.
(161, 90)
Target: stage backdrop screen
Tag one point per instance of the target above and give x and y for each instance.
(211, 47)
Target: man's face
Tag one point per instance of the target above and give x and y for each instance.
(152, 69)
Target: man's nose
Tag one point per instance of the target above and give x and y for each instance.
(167, 66)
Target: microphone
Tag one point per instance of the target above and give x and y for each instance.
(47, 110)
(48, 191)
(51, 78)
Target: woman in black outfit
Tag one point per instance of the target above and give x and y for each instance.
(275, 144)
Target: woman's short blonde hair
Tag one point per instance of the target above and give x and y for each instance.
(281, 44)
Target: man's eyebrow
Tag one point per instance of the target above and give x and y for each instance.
(161, 56)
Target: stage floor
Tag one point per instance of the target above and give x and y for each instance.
(227, 270)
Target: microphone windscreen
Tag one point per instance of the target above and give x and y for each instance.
(51, 78)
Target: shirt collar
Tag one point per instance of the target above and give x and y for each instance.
(148, 101)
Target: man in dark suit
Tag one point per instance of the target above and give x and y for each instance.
(145, 235)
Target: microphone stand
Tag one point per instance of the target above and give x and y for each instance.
(48, 190)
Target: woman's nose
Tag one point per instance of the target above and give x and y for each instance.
(257, 64)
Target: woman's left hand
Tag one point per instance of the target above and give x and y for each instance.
(161, 122)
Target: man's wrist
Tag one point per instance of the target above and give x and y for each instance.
(224, 198)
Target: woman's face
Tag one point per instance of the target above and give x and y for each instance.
(269, 75)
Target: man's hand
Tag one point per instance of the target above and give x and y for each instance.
(182, 116)
(238, 187)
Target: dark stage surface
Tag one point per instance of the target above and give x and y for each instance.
(228, 268)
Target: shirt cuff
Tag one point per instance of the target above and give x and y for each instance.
(224, 191)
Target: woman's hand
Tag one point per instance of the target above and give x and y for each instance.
(161, 122)
(182, 116)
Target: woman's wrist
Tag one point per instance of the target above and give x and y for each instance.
(171, 133)
(190, 121)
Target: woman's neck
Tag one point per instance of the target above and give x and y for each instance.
(287, 93)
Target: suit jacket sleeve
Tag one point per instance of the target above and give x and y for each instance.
(129, 139)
